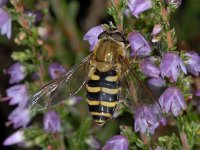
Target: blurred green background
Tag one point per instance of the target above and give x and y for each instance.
(67, 21)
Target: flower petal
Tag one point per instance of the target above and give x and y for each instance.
(139, 45)
(117, 142)
(51, 122)
(5, 23)
(138, 6)
(92, 36)
(15, 138)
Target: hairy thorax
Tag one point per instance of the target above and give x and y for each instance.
(106, 54)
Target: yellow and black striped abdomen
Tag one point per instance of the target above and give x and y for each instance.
(102, 95)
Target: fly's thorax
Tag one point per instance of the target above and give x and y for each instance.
(107, 53)
(108, 50)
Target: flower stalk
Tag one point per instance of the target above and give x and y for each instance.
(165, 17)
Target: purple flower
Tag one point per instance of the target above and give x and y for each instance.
(138, 6)
(140, 47)
(51, 122)
(146, 119)
(193, 63)
(5, 23)
(18, 94)
(156, 85)
(16, 72)
(3, 2)
(177, 3)
(55, 69)
(170, 66)
(15, 138)
(117, 142)
(149, 69)
(156, 30)
(172, 101)
(92, 36)
(19, 117)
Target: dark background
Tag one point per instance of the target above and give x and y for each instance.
(186, 21)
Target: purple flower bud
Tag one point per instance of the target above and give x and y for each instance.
(3, 2)
(51, 122)
(5, 23)
(139, 45)
(19, 117)
(16, 72)
(174, 2)
(170, 66)
(193, 63)
(146, 119)
(149, 69)
(18, 94)
(157, 29)
(172, 101)
(138, 6)
(117, 142)
(15, 138)
(55, 69)
(92, 36)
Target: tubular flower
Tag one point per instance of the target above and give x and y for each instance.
(193, 63)
(172, 101)
(146, 119)
(138, 6)
(19, 117)
(18, 94)
(170, 66)
(15, 138)
(117, 142)
(139, 45)
(16, 72)
(5, 23)
(149, 69)
(55, 69)
(177, 3)
(51, 122)
(92, 36)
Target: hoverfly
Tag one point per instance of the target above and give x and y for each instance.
(106, 73)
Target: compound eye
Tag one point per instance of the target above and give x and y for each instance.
(118, 37)
(102, 35)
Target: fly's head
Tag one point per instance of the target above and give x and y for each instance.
(111, 45)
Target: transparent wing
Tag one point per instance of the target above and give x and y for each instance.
(63, 87)
(135, 92)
